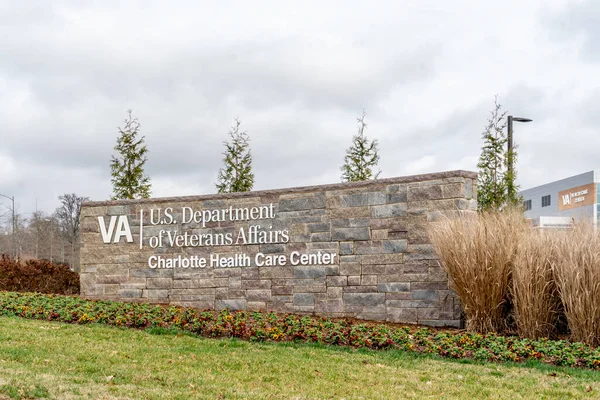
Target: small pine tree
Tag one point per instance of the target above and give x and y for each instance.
(236, 174)
(492, 185)
(361, 157)
(127, 168)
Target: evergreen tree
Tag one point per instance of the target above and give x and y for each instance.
(361, 157)
(494, 179)
(236, 174)
(127, 169)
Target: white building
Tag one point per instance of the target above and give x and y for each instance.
(562, 202)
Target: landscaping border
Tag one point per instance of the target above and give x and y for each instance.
(269, 326)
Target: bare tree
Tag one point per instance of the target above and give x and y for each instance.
(6, 243)
(67, 216)
(21, 234)
(36, 227)
(8, 217)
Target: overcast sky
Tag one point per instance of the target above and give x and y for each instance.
(297, 74)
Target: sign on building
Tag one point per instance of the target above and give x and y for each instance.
(576, 197)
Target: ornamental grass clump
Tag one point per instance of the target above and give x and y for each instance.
(478, 253)
(536, 304)
(577, 274)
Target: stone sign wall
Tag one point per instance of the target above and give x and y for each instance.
(355, 249)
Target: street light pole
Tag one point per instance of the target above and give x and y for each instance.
(14, 243)
(509, 154)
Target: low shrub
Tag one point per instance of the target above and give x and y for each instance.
(267, 326)
(40, 276)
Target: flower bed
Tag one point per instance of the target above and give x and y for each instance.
(266, 326)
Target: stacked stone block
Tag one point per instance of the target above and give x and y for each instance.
(385, 269)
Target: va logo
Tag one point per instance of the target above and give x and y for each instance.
(566, 199)
(122, 229)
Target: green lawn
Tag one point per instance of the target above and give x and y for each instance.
(55, 360)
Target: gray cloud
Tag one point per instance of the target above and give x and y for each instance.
(297, 77)
(577, 22)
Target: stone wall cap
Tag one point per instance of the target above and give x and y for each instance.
(299, 189)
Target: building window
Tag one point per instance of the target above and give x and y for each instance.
(545, 201)
(527, 204)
